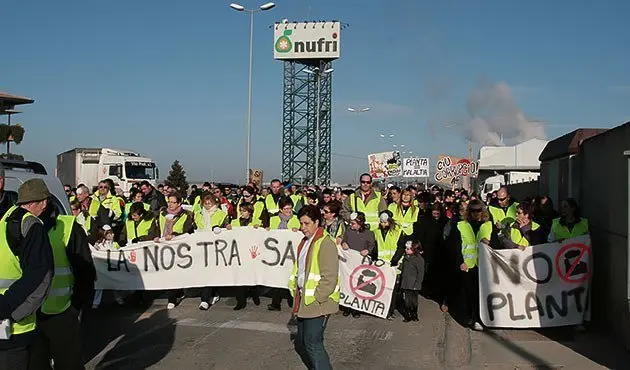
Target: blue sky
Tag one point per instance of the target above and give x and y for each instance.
(169, 79)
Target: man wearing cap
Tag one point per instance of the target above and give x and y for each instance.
(6, 200)
(70, 293)
(26, 273)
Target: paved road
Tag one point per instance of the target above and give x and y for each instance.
(186, 338)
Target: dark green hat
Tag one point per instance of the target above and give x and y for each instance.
(32, 190)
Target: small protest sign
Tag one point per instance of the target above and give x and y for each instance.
(415, 167)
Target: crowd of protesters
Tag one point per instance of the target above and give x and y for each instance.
(431, 235)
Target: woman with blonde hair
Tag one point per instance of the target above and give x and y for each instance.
(474, 228)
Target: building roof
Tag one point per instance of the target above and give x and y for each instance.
(9, 101)
(568, 144)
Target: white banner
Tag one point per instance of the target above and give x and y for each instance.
(415, 167)
(244, 256)
(365, 285)
(542, 286)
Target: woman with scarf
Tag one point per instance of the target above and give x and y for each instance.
(359, 238)
(174, 221)
(285, 220)
(523, 232)
(246, 219)
(211, 217)
(333, 225)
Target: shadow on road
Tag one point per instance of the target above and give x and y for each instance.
(127, 337)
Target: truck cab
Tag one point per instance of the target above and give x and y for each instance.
(127, 168)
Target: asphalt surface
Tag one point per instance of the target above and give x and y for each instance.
(254, 338)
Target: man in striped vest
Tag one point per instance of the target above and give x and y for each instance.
(26, 272)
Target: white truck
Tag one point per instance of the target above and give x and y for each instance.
(494, 183)
(88, 166)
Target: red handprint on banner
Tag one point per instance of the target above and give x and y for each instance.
(132, 256)
(254, 252)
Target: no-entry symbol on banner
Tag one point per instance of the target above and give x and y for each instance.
(573, 263)
(367, 282)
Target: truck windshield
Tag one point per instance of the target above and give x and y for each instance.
(140, 170)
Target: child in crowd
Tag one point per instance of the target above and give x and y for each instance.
(105, 241)
(411, 279)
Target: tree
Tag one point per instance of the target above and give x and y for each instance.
(13, 133)
(177, 178)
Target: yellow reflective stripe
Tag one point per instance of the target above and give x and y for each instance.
(314, 277)
(309, 292)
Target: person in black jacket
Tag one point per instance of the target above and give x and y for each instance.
(27, 243)
(411, 279)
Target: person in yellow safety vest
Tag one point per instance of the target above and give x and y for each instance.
(285, 220)
(327, 195)
(271, 200)
(249, 196)
(365, 200)
(211, 218)
(389, 238)
(83, 218)
(393, 194)
(570, 224)
(246, 211)
(104, 204)
(405, 212)
(332, 223)
(26, 273)
(197, 203)
(297, 198)
(70, 293)
(523, 232)
(474, 228)
(134, 197)
(315, 285)
(174, 221)
(141, 226)
(211, 214)
(503, 210)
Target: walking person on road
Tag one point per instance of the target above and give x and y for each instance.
(26, 273)
(314, 284)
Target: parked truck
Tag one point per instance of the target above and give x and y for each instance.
(88, 166)
(494, 183)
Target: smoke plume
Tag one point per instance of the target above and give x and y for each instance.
(495, 115)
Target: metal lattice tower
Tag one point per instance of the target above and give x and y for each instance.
(301, 108)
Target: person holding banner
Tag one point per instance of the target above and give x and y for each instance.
(141, 225)
(570, 224)
(173, 221)
(389, 239)
(523, 232)
(283, 221)
(474, 228)
(357, 237)
(314, 283)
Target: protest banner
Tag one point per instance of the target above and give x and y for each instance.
(449, 170)
(240, 257)
(415, 167)
(256, 176)
(543, 286)
(366, 285)
(385, 164)
(245, 256)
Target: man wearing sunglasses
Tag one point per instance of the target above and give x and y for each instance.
(365, 200)
(249, 196)
(503, 210)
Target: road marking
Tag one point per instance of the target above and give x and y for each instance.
(381, 335)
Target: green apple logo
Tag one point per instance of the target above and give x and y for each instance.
(283, 44)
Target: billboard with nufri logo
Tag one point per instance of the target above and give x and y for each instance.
(306, 40)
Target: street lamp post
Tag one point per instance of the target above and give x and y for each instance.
(318, 74)
(251, 12)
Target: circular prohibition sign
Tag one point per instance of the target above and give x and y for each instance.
(356, 289)
(567, 276)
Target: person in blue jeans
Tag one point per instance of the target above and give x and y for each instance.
(314, 284)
